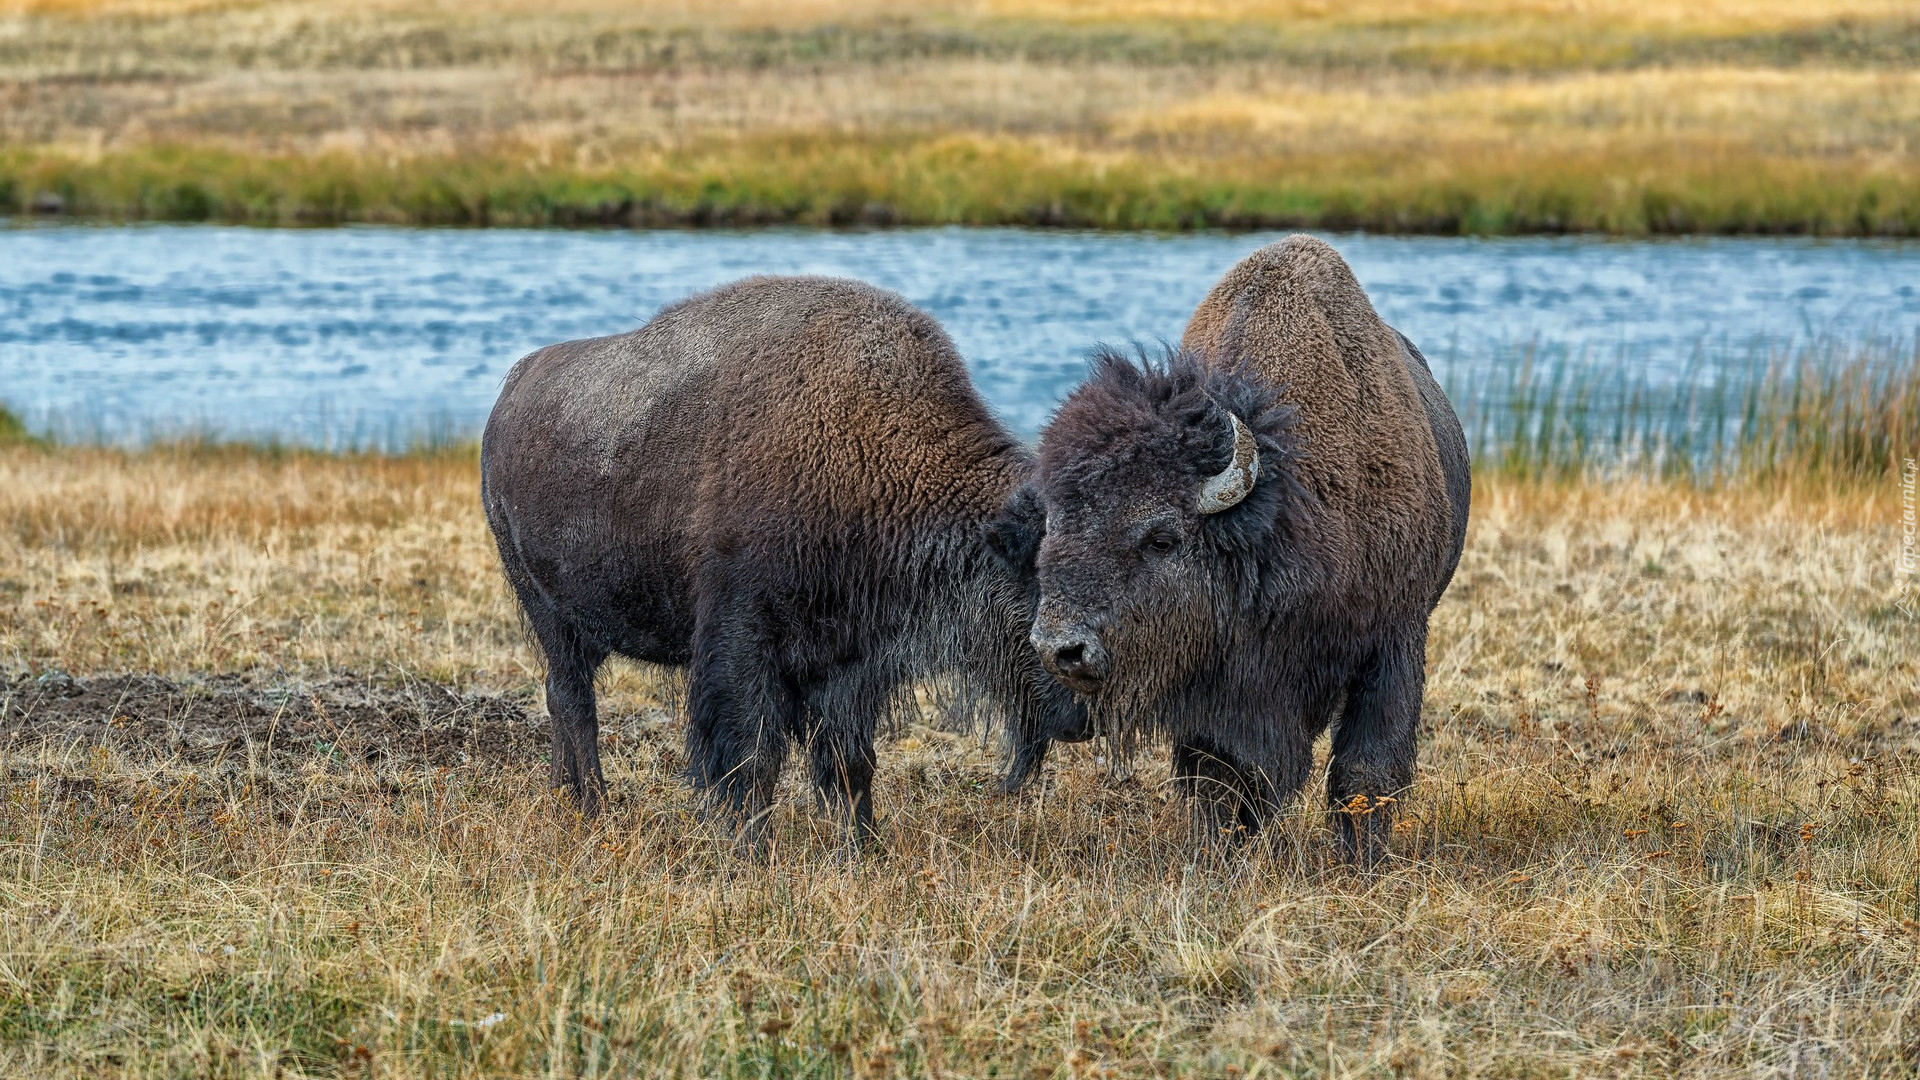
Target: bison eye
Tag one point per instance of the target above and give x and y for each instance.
(1159, 543)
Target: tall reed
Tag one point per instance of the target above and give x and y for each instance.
(1823, 410)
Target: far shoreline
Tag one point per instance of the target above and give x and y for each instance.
(890, 183)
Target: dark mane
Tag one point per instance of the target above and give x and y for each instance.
(1166, 405)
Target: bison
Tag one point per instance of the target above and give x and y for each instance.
(790, 486)
(1241, 545)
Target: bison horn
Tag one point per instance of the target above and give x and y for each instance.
(1227, 489)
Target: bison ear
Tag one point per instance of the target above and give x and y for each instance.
(1014, 536)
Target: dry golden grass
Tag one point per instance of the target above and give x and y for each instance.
(1478, 114)
(215, 560)
(1871, 116)
(1666, 824)
(683, 12)
(1713, 15)
(1868, 117)
(1707, 16)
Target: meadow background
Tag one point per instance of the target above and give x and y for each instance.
(1624, 116)
(272, 792)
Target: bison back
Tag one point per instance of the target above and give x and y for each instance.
(800, 436)
(1294, 313)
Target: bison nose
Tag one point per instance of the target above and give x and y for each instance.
(1074, 657)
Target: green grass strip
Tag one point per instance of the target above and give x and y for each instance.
(972, 180)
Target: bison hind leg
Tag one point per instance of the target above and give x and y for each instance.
(572, 661)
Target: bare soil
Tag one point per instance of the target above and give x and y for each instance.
(269, 720)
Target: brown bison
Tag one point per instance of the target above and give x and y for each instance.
(788, 485)
(1243, 543)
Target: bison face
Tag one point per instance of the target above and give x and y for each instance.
(1125, 583)
(1160, 487)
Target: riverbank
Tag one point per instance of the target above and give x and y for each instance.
(971, 180)
(1829, 412)
(274, 803)
(1408, 116)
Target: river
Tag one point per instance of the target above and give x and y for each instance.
(383, 336)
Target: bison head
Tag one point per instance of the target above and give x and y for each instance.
(1162, 490)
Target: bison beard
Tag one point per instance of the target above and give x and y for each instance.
(786, 485)
(1239, 610)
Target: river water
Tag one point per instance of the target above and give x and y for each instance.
(383, 336)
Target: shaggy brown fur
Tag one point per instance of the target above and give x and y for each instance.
(1242, 633)
(1373, 425)
(782, 484)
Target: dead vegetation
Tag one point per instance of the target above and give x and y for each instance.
(273, 806)
(1487, 115)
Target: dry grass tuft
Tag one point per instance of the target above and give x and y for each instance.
(1667, 822)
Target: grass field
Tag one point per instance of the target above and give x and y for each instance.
(273, 806)
(1624, 116)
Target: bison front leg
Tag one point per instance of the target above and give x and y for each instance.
(1374, 746)
(1231, 796)
(844, 710)
(1029, 753)
(740, 712)
(1041, 720)
(843, 775)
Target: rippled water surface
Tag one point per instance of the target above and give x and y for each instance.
(373, 335)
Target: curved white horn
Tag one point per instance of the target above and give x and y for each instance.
(1228, 488)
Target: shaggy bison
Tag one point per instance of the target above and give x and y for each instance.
(1242, 545)
(788, 485)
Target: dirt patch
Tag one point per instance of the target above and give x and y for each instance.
(283, 721)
